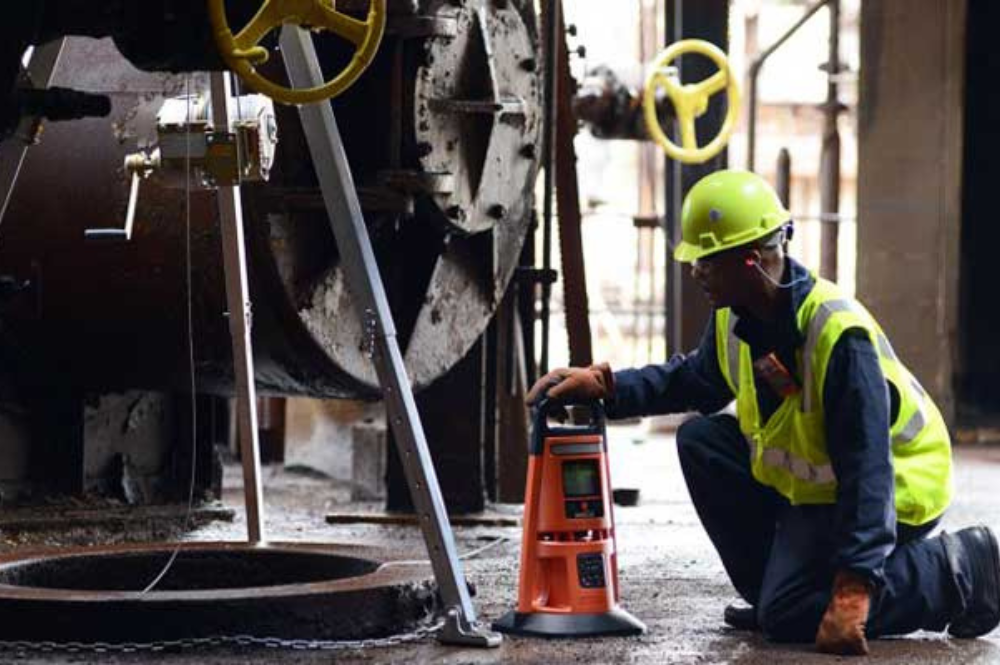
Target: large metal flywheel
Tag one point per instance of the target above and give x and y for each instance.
(442, 134)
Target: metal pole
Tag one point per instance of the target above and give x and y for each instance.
(673, 297)
(783, 181)
(688, 309)
(240, 323)
(570, 223)
(752, 118)
(755, 68)
(548, 141)
(829, 167)
(365, 284)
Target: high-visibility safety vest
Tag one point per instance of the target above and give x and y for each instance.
(789, 451)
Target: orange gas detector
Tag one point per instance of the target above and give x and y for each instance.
(568, 583)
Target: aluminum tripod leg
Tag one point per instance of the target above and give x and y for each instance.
(238, 301)
(365, 284)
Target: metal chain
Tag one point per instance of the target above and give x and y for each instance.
(217, 641)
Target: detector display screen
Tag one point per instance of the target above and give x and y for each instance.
(581, 478)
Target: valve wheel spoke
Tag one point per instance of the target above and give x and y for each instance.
(268, 17)
(714, 84)
(663, 79)
(340, 24)
(689, 138)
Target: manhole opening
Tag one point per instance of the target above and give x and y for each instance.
(194, 570)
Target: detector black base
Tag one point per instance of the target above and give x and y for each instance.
(545, 624)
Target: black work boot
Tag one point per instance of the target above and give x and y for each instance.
(741, 616)
(975, 568)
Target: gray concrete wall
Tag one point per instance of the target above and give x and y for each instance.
(909, 191)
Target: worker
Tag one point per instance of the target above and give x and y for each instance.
(821, 493)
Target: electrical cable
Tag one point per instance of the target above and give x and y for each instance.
(190, 338)
(488, 546)
(464, 557)
(778, 240)
(794, 282)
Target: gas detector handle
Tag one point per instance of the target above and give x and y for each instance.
(547, 407)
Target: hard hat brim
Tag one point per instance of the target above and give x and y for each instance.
(686, 252)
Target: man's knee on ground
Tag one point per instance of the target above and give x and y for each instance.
(785, 622)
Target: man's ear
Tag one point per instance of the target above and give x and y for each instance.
(752, 257)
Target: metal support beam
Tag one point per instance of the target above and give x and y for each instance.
(686, 307)
(240, 323)
(365, 283)
(829, 161)
(551, 20)
(783, 178)
(574, 274)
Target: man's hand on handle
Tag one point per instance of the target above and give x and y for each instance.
(574, 383)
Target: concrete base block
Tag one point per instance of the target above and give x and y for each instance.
(368, 462)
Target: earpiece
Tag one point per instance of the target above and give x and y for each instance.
(750, 262)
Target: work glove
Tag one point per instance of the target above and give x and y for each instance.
(574, 384)
(842, 630)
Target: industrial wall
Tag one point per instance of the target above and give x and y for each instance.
(910, 181)
(979, 316)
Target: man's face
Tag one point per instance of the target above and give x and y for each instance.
(724, 277)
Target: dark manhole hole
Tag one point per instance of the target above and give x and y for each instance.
(191, 571)
(212, 589)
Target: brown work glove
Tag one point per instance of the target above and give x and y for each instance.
(574, 383)
(842, 630)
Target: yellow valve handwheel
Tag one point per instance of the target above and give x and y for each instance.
(243, 53)
(691, 101)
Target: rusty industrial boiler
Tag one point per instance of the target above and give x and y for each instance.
(442, 136)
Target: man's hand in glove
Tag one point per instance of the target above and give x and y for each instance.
(842, 630)
(574, 383)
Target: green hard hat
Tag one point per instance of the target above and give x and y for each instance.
(727, 209)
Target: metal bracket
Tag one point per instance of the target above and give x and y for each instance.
(534, 276)
(456, 630)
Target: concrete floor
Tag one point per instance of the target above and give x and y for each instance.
(670, 576)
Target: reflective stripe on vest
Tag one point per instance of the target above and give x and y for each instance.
(885, 348)
(789, 450)
(733, 351)
(793, 464)
(917, 421)
(819, 319)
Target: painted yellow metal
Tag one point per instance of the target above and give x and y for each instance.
(690, 101)
(243, 53)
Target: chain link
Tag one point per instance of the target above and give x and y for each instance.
(218, 641)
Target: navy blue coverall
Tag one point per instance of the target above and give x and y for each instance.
(782, 558)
